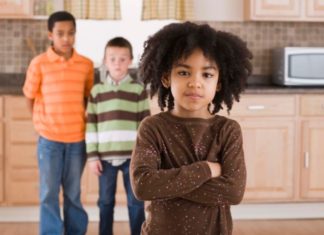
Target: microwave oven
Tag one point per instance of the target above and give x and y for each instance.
(298, 66)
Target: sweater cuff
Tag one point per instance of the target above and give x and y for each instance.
(206, 170)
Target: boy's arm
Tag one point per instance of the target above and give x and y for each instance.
(32, 84)
(229, 187)
(89, 83)
(30, 104)
(92, 129)
(149, 182)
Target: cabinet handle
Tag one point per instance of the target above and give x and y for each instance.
(306, 159)
(256, 107)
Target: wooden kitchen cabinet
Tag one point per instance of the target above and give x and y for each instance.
(16, 8)
(312, 153)
(282, 137)
(1, 151)
(268, 129)
(21, 171)
(287, 10)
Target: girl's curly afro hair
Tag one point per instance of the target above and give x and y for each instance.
(177, 41)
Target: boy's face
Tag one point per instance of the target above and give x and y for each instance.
(117, 61)
(63, 37)
(193, 84)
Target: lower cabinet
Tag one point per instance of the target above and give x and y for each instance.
(282, 137)
(1, 151)
(312, 147)
(269, 156)
(21, 171)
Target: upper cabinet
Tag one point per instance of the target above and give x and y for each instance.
(284, 10)
(15, 8)
(29, 8)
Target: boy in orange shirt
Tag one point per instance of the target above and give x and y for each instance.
(57, 84)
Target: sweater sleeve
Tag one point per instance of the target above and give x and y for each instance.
(91, 128)
(149, 181)
(230, 186)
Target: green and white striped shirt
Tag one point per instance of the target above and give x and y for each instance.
(114, 113)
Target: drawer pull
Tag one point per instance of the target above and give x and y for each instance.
(256, 107)
(306, 160)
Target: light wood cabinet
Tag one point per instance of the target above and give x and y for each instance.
(15, 8)
(268, 129)
(284, 10)
(312, 153)
(1, 151)
(21, 171)
(282, 137)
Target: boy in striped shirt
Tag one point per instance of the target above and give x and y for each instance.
(57, 85)
(116, 107)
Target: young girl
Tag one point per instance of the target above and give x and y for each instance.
(188, 161)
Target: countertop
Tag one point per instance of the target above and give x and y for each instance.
(11, 84)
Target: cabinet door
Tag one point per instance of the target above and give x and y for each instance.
(274, 10)
(1, 150)
(269, 154)
(315, 9)
(21, 171)
(312, 174)
(15, 8)
(1, 160)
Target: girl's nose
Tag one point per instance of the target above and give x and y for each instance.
(194, 84)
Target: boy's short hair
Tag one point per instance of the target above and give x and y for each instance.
(120, 42)
(59, 16)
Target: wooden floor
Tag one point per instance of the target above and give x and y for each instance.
(241, 227)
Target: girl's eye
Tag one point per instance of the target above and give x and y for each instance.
(208, 75)
(183, 73)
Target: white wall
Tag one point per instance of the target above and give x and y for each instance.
(92, 35)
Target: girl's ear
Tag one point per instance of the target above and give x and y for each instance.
(165, 82)
(219, 86)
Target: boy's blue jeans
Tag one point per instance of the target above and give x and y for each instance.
(61, 164)
(106, 202)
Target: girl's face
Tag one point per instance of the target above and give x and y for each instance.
(193, 84)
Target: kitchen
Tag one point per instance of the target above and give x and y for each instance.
(284, 182)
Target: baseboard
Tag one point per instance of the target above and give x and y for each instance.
(239, 212)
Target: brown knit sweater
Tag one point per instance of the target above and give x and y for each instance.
(169, 169)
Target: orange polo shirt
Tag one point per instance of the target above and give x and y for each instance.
(59, 88)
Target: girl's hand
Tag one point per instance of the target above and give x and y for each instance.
(215, 169)
(96, 167)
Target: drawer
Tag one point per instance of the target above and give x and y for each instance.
(312, 105)
(264, 105)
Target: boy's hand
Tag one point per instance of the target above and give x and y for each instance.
(215, 169)
(96, 167)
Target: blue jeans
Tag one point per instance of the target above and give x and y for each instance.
(61, 164)
(106, 202)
